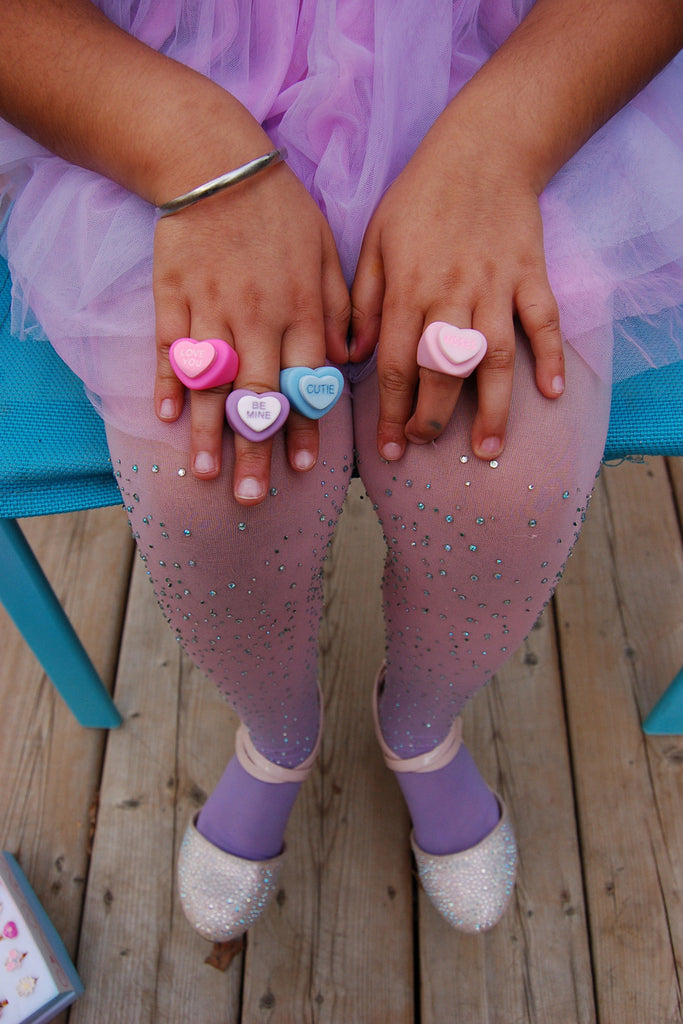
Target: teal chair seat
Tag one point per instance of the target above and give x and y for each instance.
(54, 458)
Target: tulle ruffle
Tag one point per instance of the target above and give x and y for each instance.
(350, 88)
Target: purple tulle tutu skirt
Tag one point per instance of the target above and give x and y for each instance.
(350, 87)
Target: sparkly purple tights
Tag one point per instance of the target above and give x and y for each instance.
(474, 551)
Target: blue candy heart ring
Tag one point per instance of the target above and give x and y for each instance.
(312, 392)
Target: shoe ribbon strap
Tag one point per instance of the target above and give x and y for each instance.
(259, 767)
(430, 761)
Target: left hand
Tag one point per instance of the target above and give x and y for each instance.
(457, 238)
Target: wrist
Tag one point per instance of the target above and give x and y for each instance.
(473, 141)
(205, 134)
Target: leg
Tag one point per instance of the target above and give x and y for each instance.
(474, 551)
(242, 589)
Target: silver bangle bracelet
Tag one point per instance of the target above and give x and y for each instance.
(210, 188)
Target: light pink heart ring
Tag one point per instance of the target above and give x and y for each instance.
(203, 364)
(453, 350)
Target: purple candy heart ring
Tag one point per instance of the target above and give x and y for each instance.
(255, 416)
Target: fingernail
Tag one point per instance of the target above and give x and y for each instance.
(557, 385)
(490, 446)
(303, 460)
(204, 462)
(392, 451)
(167, 409)
(249, 488)
(416, 440)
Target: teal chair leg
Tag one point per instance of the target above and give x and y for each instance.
(666, 717)
(40, 618)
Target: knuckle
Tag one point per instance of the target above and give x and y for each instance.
(500, 360)
(540, 312)
(253, 461)
(546, 321)
(253, 303)
(340, 314)
(393, 381)
(303, 432)
(361, 316)
(165, 374)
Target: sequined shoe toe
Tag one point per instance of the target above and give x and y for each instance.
(223, 895)
(471, 889)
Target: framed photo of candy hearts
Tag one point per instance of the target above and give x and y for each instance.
(37, 978)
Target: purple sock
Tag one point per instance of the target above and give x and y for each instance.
(452, 808)
(247, 817)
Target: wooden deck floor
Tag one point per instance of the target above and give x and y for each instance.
(595, 931)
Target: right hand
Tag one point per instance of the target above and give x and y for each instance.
(257, 266)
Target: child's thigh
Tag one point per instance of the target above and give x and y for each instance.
(162, 496)
(545, 473)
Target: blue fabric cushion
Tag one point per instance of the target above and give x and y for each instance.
(53, 450)
(647, 410)
(647, 414)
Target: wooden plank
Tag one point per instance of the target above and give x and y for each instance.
(619, 607)
(675, 468)
(643, 532)
(138, 956)
(49, 764)
(188, 988)
(535, 965)
(366, 954)
(338, 946)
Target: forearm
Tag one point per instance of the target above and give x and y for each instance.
(564, 72)
(96, 96)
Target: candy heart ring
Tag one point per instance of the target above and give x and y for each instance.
(312, 392)
(255, 416)
(203, 364)
(452, 350)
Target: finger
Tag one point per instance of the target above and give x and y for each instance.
(251, 475)
(438, 393)
(207, 408)
(172, 320)
(207, 423)
(258, 347)
(367, 296)
(336, 305)
(303, 439)
(303, 344)
(539, 316)
(397, 376)
(494, 380)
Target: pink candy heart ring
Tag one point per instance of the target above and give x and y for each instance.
(203, 364)
(452, 350)
(255, 416)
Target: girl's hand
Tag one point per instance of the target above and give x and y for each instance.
(257, 266)
(457, 238)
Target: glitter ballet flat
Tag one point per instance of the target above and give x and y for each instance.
(221, 894)
(471, 888)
